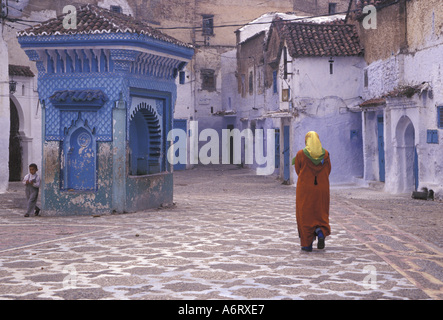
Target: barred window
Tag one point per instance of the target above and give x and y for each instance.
(208, 25)
(116, 9)
(208, 79)
(440, 117)
(251, 82)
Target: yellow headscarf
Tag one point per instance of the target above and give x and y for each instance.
(314, 148)
(313, 144)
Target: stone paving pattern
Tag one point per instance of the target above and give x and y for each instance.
(230, 235)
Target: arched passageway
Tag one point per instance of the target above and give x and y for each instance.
(15, 145)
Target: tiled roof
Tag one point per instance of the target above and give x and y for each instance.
(402, 91)
(373, 102)
(321, 39)
(23, 71)
(92, 19)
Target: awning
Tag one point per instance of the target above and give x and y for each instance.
(373, 102)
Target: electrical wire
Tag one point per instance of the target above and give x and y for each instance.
(14, 27)
(23, 20)
(19, 22)
(196, 28)
(234, 24)
(259, 23)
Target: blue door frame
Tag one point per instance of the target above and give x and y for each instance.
(277, 148)
(180, 124)
(415, 168)
(381, 148)
(286, 153)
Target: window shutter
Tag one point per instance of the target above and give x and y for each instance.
(440, 117)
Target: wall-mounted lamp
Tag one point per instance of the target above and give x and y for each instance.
(12, 86)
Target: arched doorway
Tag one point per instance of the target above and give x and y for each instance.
(15, 145)
(407, 157)
(145, 156)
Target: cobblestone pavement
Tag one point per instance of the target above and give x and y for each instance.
(230, 235)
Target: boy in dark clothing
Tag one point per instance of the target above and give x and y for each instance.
(32, 185)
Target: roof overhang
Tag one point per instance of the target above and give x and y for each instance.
(123, 41)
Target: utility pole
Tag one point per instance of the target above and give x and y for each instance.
(4, 103)
(5, 10)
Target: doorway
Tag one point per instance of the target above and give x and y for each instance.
(286, 153)
(381, 148)
(15, 146)
(407, 156)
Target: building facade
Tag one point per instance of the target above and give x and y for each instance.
(301, 75)
(25, 113)
(401, 118)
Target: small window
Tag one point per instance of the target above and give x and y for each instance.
(208, 25)
(208, 79)
(285, 95)
(243, 86)
(440, 117)
(251, 82)
(332, 8)
(274, 81)
(285, 63)
(432, 136)
(366, 78)
(182, 77)
(331, 65)
(116, 9)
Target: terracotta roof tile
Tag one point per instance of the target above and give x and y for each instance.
(373, 102)
(321, 39)
(93, 19)
(24, 71)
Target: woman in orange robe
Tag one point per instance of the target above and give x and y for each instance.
(313, 166)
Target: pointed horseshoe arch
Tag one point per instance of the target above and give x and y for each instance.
(145, 140)
(407, 162)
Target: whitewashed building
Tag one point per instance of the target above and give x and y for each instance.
(4, 117)
(307, 77)
(402, 114)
